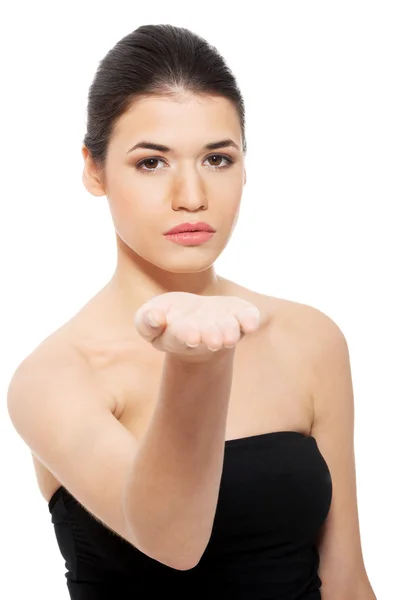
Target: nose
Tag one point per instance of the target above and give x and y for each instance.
(189, 190)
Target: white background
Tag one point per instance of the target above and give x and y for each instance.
(318, 224)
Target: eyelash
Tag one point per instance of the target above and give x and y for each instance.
(157, 158)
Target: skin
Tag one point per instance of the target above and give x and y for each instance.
(188, 184)
(318, 396)
(143, 205)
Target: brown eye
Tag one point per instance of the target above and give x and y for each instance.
(150, 163)
(216, 157)
(215, 161)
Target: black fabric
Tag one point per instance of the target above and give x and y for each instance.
(275, 494)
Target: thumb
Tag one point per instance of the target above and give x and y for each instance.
(153, 319)
(149, 324)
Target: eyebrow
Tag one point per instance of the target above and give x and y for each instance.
(162, 148)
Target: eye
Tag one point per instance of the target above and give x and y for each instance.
(228, 160)
(151, 161)
(148, 165)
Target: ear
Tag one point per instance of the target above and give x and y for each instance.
(245, 176)
(91, 175)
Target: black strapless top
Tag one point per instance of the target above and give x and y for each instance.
(275, 494)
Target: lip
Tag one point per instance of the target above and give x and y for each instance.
(185, 227)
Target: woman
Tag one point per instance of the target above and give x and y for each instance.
(190, 436)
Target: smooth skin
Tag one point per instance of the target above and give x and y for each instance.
(62, 409)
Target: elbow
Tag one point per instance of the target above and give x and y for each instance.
(183, 563)
(180, 560)
(172, 546)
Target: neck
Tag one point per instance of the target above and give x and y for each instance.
(135, 281)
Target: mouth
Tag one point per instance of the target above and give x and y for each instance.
(191, 228)
(190, 238)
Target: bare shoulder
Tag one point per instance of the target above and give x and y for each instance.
(61, 412)
(62, 356)
(49, 352)
(315, 335)
(312, 330)
(271, 308)
(55, 349)
(317, 330)
(288, 312)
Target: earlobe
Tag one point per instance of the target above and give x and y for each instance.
(91, 184)
(91, 177)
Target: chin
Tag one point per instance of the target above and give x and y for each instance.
(186, 267)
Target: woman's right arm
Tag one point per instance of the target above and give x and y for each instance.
(160, 494)
(172, 488)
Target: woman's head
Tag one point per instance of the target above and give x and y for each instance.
(167, 86)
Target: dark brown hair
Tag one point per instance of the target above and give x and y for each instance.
(154, 60)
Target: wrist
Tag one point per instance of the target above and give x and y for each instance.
(208, 360)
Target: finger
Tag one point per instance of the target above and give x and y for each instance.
(186, 332)
(212, 336)
(230, 329)
(150, 324)
(249, 318)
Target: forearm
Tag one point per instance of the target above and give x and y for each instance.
(173, 487)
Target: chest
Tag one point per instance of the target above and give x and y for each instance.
(270, 390)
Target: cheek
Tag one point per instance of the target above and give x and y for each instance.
(233, 209)
(131, 195)
(133, 215)
(228, 184)
(229, 199)
(141, 194)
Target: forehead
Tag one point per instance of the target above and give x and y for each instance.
(199, 118)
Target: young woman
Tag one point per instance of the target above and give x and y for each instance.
(191, 437)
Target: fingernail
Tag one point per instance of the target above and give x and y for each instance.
(192, 345)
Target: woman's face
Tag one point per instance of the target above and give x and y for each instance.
(150, 191)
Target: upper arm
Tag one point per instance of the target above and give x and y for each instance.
(58, 409)
(339, 544)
